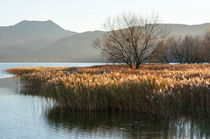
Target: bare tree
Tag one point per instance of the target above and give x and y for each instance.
(206, 46)
(176, 50)
(131, 38)
(186, 50)
(197, 50)
(161, 54)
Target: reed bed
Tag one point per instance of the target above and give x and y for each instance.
(25, 70)
(154, 90)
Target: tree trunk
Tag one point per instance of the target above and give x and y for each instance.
(137, 65)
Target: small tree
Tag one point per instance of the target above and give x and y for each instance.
(130, 38)
(161, 54)
(187, 49)
(206, 46)
(176, 50)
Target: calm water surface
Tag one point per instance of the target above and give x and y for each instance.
(29, 117)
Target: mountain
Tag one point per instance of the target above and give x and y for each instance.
(77, 48)
(48, 42)
(182, 30)
(32, 34)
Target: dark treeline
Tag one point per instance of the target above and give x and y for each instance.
(187, 49)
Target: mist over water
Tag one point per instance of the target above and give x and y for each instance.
(24, 116)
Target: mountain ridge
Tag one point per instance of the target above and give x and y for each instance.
(48, 42)
(34, 34)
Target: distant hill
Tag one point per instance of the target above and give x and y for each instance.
(36, 41)
(77, 48)
(181, 29)
(32, 34)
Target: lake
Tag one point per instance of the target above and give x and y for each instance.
(24, 117)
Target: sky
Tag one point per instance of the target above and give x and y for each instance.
(89, 15)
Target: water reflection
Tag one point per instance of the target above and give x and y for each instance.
(107, 125)
(121, 125)
(35, 117)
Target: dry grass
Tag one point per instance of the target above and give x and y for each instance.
(161, 90)
(26, 70)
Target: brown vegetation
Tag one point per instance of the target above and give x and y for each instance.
(25, 70)
(160, 90)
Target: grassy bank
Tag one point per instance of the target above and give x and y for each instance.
(156, 90)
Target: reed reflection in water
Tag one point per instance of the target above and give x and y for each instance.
(122, 125)
(117, 125)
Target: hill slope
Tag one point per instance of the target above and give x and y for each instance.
(32, 34)
(181, 29)
(71, 47)
(77, 48)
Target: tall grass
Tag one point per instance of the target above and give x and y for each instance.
(25, 70)
(155, 90)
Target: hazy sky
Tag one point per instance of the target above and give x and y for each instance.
(86, 15)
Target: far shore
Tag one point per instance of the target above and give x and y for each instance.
(155, 90)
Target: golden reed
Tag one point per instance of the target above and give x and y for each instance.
(156, 90)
